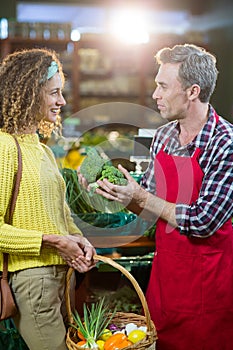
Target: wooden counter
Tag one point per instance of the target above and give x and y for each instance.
(121, 241)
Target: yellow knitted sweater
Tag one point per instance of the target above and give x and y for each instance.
(40, 208)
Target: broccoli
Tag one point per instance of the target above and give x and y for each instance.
(113, 175)
(92, 165)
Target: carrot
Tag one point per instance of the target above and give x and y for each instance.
(80, 335)
(81, 342)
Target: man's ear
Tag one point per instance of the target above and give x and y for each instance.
(193, 92)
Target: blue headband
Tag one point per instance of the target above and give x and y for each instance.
(52, 70)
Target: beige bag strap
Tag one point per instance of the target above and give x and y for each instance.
(13, 202)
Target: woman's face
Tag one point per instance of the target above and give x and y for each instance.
(53, 99)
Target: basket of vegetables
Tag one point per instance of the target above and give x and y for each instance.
(102, 329)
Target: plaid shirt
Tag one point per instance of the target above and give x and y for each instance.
(214, 205)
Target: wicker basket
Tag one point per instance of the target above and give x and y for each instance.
(120, 318)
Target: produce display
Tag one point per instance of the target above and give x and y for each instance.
(95, 166)
(97, 331)
(90, 207)
(124, 298)
(83, 202)
(93, 213)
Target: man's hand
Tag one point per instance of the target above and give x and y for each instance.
(132, 192)
(138, 200)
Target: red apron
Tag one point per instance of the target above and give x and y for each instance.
(190, 292)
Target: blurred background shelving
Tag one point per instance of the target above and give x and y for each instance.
(101, 68)
(97, 71)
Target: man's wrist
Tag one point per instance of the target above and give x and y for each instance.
(142, 198)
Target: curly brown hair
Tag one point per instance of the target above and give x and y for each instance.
(23, 74)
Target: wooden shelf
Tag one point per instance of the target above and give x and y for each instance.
(116, 62)
(11, 44)
(121, 241)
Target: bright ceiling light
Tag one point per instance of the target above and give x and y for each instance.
(129, 26)
(75, 35)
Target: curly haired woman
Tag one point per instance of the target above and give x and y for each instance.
(42, 240)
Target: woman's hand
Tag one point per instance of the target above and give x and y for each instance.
(76, 250)
(81, 179)
(84, 262)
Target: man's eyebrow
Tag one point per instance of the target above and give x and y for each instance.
(161, 83)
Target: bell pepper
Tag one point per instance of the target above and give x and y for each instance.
(117, 341)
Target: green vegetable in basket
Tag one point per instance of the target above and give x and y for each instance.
(94, 323)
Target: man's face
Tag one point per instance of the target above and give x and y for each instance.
(170, 96)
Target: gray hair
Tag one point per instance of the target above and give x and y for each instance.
(197, 66)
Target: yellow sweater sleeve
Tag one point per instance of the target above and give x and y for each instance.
(12, 238)
(40, 208)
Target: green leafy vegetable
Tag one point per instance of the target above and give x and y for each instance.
(96, 167)
(112, 174)
(95, 321)
(92, 165)
(81, 201)
(76, 196)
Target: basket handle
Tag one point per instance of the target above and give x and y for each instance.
(126, 273)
